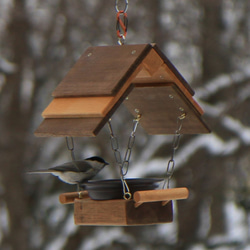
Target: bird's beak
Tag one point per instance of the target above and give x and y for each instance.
(106, 163)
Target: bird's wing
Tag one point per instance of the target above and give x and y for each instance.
(83, 166)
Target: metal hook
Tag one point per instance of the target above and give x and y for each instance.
(125, 7)
(71, 147)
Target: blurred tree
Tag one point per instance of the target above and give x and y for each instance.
(15, 123)
(208, 41)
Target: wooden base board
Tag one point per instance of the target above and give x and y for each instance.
(121, 213)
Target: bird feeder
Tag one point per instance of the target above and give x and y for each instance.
(142, 78)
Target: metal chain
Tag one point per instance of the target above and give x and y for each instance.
(71, 148)
(125, 163)
(114, 145)
(118, 158)
(121, 22)
(175, 146)
(131, 141)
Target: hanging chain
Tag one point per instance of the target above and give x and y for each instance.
(115, 145)
(121, 22)
(124, 165)
(71, 148)
(131, 141)
(175, 146)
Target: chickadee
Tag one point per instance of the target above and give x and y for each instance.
(76, 172)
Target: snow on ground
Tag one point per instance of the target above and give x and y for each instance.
(68, 229)
(101, 238)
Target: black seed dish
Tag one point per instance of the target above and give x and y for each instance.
(112, 188)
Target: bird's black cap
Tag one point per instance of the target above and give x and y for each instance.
(97, 158)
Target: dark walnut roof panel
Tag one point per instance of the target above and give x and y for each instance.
(160, 106)
(101, 71)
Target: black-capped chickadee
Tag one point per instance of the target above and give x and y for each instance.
(76, 172)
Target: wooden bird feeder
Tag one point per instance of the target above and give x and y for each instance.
(142, 78)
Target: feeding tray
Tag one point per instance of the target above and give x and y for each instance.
(112, 189)
(147, 207)
(140, 76)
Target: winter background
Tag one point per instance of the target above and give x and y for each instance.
(209, 43)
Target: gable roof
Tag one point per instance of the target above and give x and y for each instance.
(140, 76)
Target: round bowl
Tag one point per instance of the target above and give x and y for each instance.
(112, 188)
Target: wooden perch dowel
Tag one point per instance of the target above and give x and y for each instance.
(68, 198)
(164, 195)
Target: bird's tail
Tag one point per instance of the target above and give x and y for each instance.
(41, 171)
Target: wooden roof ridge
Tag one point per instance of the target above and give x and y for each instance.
(173, 69)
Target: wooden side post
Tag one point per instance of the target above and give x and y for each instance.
(68, 198)
(164, 195)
